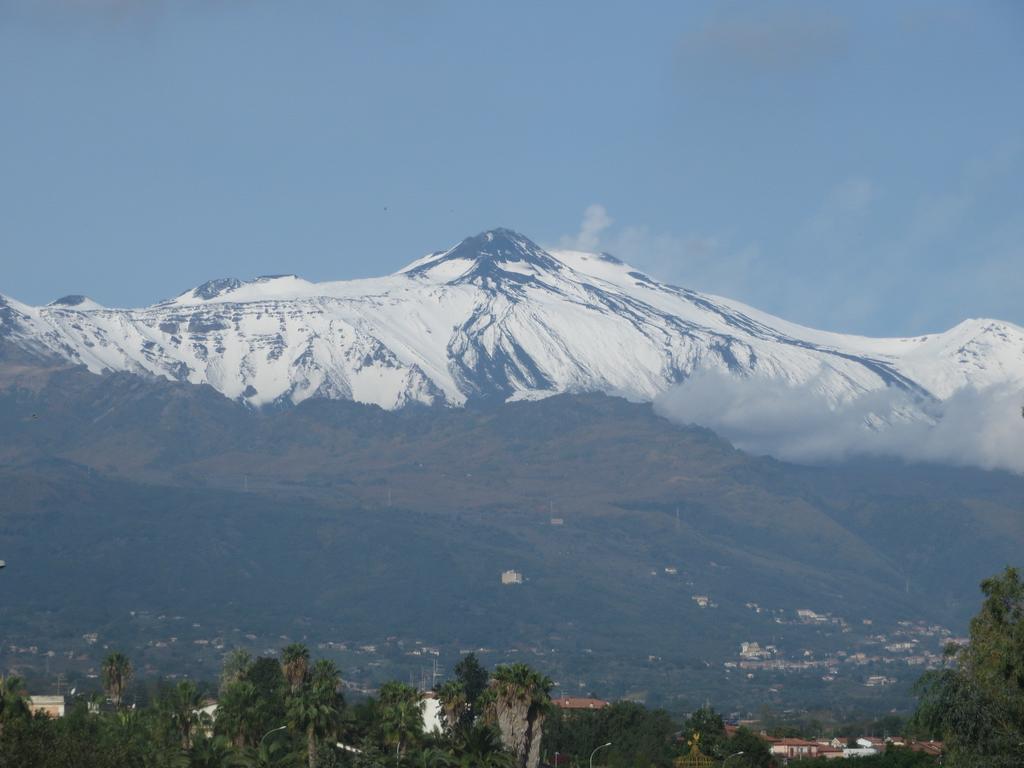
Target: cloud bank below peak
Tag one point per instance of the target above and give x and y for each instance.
(975, 427)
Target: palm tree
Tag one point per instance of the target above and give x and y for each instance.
(182, 705)
(401, 715)
(269, 753)
(213, 752)
(117, 673)
(295, 664)
(480, 747)
(432, 757)
(236, 713)
(236, 664)
(521, 698)
(13, 701)
(315, 707)
(454, 703)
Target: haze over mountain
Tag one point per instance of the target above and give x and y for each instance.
(498, 318)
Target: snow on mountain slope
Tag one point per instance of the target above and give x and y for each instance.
(494, 317)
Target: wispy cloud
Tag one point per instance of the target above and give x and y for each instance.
(758, 41)
(698, 260)
(594, 224)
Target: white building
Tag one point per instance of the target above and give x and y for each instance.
(53, 706)
(431, 714)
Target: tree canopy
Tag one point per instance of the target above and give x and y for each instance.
(977, 705)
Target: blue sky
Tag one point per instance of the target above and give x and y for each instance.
(852, 166)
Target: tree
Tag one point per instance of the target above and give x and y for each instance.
(708, 724)
(479, 746)
(117, 673)
(978, 706)
(272, 752)
(295, 665)
(13, 701)
(454, 704)
(315, 707)
(267, 678)
(474, 678)
(400, 710)
(181, 706)
(432, 757)
(756, 753)
(521, 700)
(213, 752)
(237, 711)
(640, 737)
(236, 665)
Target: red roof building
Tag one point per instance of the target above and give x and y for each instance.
(579, 702)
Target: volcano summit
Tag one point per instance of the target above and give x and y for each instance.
(495, 317)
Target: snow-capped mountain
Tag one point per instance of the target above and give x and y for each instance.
(493, 317)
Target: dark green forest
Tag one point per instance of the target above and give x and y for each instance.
(139, 510)
(289, 710)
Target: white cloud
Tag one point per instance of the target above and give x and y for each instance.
(980, 428)
(700, 261)
(595, 221)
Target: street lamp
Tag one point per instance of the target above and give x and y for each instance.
(273, 730)
(595, 752)
(730, 757)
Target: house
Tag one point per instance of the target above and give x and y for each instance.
(807, 616)
(753, 650)
(511, 577)
(53, 706)
(794, 749)
(577, 703)
(859, 752)
(872, 742)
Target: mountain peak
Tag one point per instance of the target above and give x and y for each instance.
(496, 317)
(211, 289)
(75, 301)
(498, 254)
